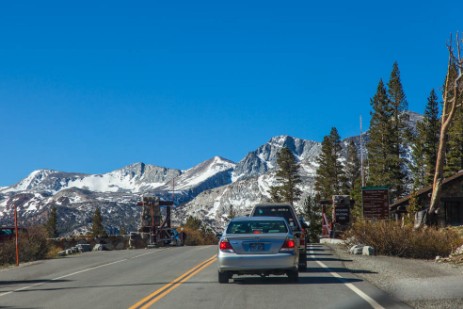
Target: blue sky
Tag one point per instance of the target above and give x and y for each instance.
(92, 86)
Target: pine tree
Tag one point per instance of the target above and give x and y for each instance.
(399, 130)
(380, 145)
(430, 136)
(51, 225)
(353, 174)
(97, 224)
(454, 147)
(330, 178)
(352, 166)
(417, 165)
(287, 175)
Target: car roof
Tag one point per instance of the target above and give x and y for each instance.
(273, 205)
(262, 218)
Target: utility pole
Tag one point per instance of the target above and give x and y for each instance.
(362, 172)
(16, 233)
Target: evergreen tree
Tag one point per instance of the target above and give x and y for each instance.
(330, 178)
(399, 130)
(287, 175)
(424, 144)
(418, 166)
(97, 224)
(380, 145)
(430, 136)
(231, 212)
(312, 212)
(193, 223)
(353, 174)
(51, 225)
(352, 166)
(454, 147)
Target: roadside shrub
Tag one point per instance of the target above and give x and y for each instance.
(199, 237)
(32, 247)
(390, 238)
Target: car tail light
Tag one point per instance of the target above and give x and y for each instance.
(288, 245)
(224, 245)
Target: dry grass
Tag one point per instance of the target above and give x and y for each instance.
(32, 247)
(390, 238)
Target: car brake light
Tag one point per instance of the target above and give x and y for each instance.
(288, 245)
(225, 246)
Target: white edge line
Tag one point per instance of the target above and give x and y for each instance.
(352, 287)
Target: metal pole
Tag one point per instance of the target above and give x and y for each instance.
(362, 172)
(16, 234)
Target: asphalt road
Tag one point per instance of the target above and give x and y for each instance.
(181, 277)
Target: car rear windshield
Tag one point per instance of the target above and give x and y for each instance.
(277, 211)
(257, 227)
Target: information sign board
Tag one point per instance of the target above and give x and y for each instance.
(341, 209)
(375, 202)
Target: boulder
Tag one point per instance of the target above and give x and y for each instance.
(356, 249)
(367, 250)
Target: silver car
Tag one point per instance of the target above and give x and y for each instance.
(257, 246)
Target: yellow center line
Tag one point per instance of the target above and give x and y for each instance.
(161, 292)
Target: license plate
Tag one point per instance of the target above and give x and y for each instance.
(256, 247)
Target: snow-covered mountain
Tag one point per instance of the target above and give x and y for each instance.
(207, 190)
(77, 195)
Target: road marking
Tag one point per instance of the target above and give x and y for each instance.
(352, 287)
(166, 289)
(74, 273)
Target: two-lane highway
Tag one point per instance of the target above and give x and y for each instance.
(180, 277)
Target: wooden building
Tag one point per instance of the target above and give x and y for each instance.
(450, 211)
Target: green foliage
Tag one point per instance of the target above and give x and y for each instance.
(97, 225)
(424, 144)
(287, 175)
(399, 131)
(353, 176)
(312, 212)
(51, 225)
(388, 136)
(330, 178)
(390, 238)
(454, 149)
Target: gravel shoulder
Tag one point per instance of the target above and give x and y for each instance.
(419, 283)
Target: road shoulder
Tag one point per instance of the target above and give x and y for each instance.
(419, 283)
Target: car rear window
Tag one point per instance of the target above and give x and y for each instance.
(257, 227)
(277, 211)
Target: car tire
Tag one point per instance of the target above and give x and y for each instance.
(302, 262)
(293, 275)
(223, 277)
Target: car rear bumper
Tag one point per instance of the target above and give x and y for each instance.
(248, 262)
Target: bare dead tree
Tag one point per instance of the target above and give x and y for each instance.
(450, 104)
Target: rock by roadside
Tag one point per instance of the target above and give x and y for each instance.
(419, 283)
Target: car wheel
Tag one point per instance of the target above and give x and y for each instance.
(303, 262)
(293, 275)
(223, 277)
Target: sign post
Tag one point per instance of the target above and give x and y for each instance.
(375, 201)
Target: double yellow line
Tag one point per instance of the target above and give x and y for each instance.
(166, 289)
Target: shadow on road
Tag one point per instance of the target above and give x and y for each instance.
(340, 270)
(37, 281)
(285, 280)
